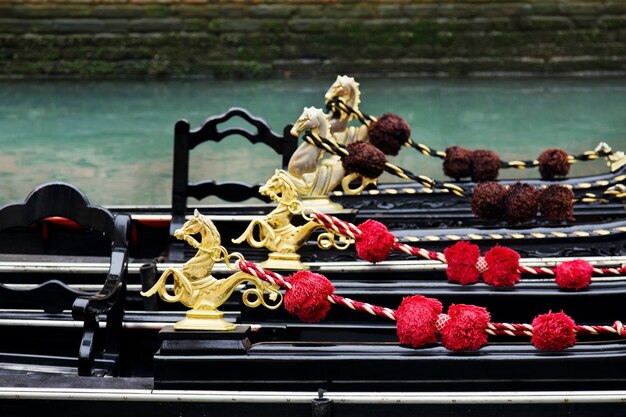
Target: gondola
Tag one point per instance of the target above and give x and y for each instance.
(354, 361)
(350, 363)
(362, 159)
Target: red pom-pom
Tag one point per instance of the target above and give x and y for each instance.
(307, 298)
(462, 258)
(457, 163)
(488, 200)
(389, 133)
(375, 242)
(485, 165)
(553, 331)
(416, 320)
(503, 267)
(465, 329)
(574, 274)
(553, 163)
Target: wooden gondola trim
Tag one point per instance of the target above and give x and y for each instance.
(515, 235)
(297, 397)
(415, 190)
(351, 231)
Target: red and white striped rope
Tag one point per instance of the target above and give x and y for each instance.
(372, 309)
(511, 329)
(336, 225)
(283, 282)
(264, 274)
(426, 254)
(349, 230)
(616, 328)
(494, 329)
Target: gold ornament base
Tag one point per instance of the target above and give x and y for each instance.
(288, 261)
(204, 320)
(321, 203)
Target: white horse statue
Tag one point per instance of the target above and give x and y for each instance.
(347, 89)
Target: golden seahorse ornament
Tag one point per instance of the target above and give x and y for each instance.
(195, 287)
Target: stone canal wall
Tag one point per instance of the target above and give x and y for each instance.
(301, 38)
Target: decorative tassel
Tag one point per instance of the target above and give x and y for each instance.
(462, 258)
(375, 242)
(416, 320)
(307, 298)
(553, 331)
(465, 328)
(389, 133)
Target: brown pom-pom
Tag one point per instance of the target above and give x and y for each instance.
(556, 202)
(553, 163)
(458, 162)
(485, 165)
(488, 200)
(520, 203)
(364, 159)
(389, 133)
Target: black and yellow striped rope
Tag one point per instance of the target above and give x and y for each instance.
(336, 104)
(617, 192)
(611, 194)
(487, 235)
(341, 150)
(614, 189)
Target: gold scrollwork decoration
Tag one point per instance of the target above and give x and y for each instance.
(328, 240)
(365, 182)
(259, 299)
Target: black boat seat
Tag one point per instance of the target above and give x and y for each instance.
(21, 224)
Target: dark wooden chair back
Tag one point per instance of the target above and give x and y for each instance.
(186, 139)
(62, 200)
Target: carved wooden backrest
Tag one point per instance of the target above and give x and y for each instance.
(186, 139)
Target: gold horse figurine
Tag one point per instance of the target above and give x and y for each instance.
(276, 232)
(196, 288)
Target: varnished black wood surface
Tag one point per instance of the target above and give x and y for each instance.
(54, 296)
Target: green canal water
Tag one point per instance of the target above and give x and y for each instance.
(114, 139)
